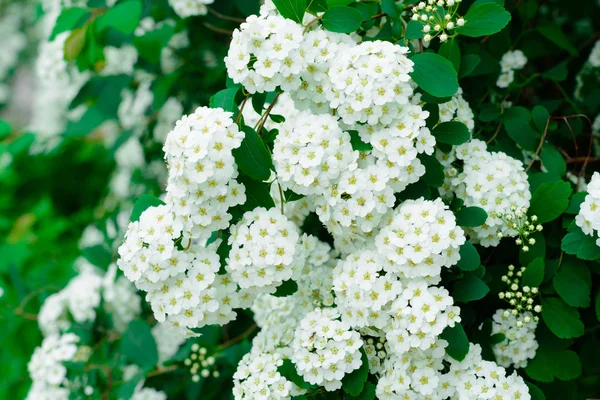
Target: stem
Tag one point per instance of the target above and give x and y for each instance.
(495, 134)
(237, 119)
(218, 30)
(239, 338)
(540, 145)
(263, 119)
(281, 197)
(226, 17)
(309, 24)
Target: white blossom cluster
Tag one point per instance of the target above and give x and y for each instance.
(588, 218)
(325, 348)
(149, 394)
(594, 58)
(511, 61)
(457, 109)
(80, 299)
(257, 378)
(519, 344)
(12, 43)
(46, 368)
(492, 181)
(439, 18)
(188, 8)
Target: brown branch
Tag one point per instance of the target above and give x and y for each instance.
(264, 120)
(161, 371)
(218, 30)
(226, 17)
(495, 134)
(237, 119)
(540, 145)
(309, 24)
(239, 338)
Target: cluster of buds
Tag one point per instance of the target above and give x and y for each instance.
(519, 297)
(518, 221)
(376, 353)
(439, 18)
(200, 365)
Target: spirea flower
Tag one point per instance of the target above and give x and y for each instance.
(263, 54)
(519, 344)
(310, 153)
(420, 238)
(188, 8)
(257, 378)
(511, 61)
(588, 218)
(594, 58)
(325, 349)
(265, 249)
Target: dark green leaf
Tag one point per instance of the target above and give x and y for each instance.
(469, 257)
(540, 117)
(575, 203)
(368, 393)
(253, 157)
(434, 171)
(124, 17)
(287, 288)
(550, 200)
(335, 3)
(69, 19)
(225, 99)
(522, 133)
(342, 19)
(553, 33)
(257, 194)
(468, 64)
(471, 216)
(354, 382)
(598, 306)
(578, 243)
(138, 344)
(550, 364)
(151, 44)
(469, 288)
(258, 102)
(451, 51)
(484, 19)
(573, 282)
(562, 319)
(434, 74)
(535, 392)
(292, 9)
(357, 143)
(458, 343)
(557, 73)
(288, 371)
(98, 255)
(553, 161)
(497, 338)
(144, 202)
(414, 30)
(452, 132)
(534, 273)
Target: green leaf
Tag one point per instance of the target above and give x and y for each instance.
(562, 319)
(553, 161)
(471, 216)
(434, 171)
(138, 344)
(368, 393)
(557, 73)
(335, 3)
(124, 17)
(257, 194)
(288, 371)
(342, 19)
(414, 30)
(598, 306)
(151, 44)
(573, 282)
(468, 64)
(98, 255)
(578, 243)
(357, 143)
(535, 392)
(75, 43)
(550, 200)
(287, 288)
(354, 382)
(497, 338)
(451, 51)
(534, 273)
(540, 117)
(225, 99)
(253, 157)
(90, 120)
(258, 102)
(127, 389)
(69, 19)
(469, 288)
(550, 364)
(458, 343)
(144, 202)
(522, 133)
(469, 257)
(575, 203)
(454, 133)
(434, 74)
(553, 33)
(291, 9)
(484, 19)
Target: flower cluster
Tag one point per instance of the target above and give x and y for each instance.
(492, 181)
(257, 378)
(264, 250)
(520, 222)
(510, 62)
(439, 18)
(198, 361)
(325, 348)
(458, 109)
(46, 367)
(188, 8)
(594, 58)
(519, 344)
(520, 297)
(588, 218)
(12, 42)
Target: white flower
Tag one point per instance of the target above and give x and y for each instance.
(519, 344)
(257, 377)
(588, 218)
(188, 8)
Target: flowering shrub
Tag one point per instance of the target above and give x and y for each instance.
(324, 199)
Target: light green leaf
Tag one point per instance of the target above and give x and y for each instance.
(75, 43)
(469, 288)
(550, 200)
(434, 74)
(342, 19)
(124, 17)
(454, 133)
(562, 319)
(484, 19)
(553, 161)
(253, 157)
(151, 44)
(144, 202)
(458, 343)
(291, 9)
(225, 99)
(469, 257)
(414, 30)
(534, 273)
(578, 243)
(69, 19)
(471, 216)
(573, 282)
(548, 365)
(138, 345)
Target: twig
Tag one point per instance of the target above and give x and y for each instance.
(161, 371)
(540, 145)
(495, 134)
(239, 338)
(309, 24)
(226, 17)
(218, 30)
(237, 119)
(264, 119)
